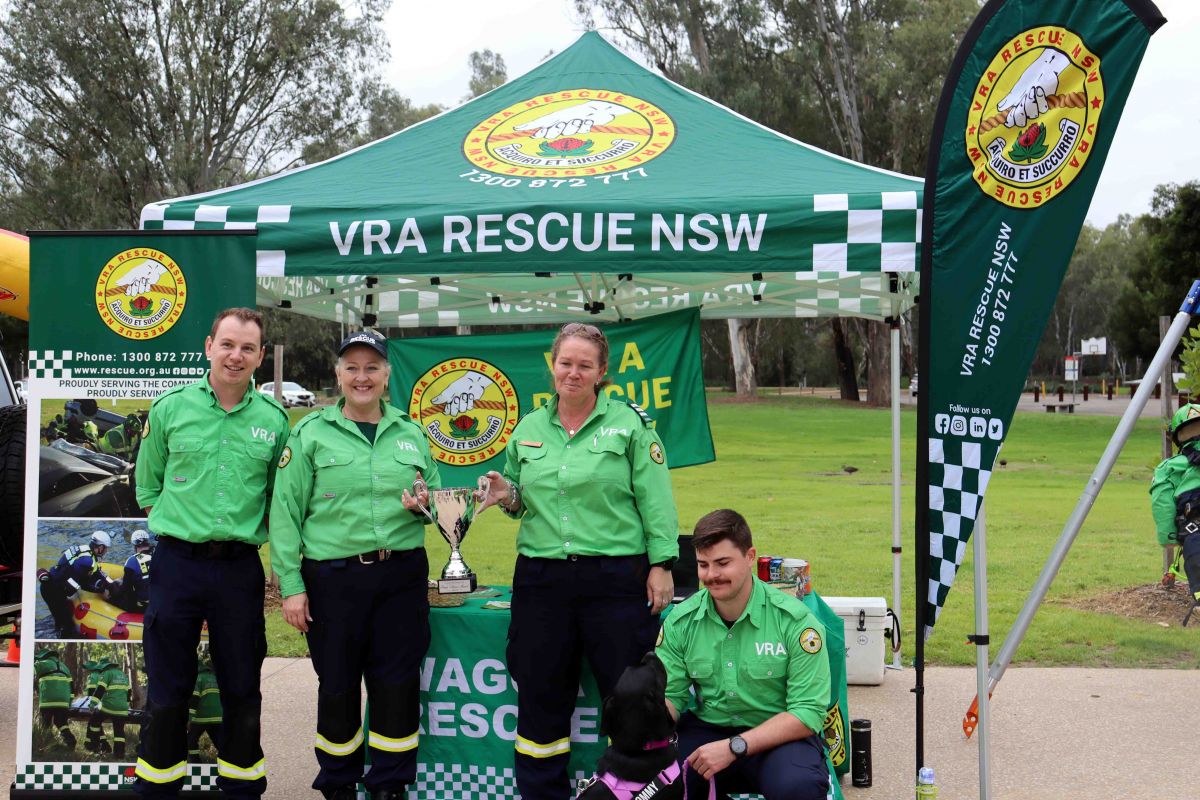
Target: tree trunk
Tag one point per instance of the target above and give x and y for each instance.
(743, 366)
(847, 375)
(879, 364)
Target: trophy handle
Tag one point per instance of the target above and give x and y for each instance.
(419, 486)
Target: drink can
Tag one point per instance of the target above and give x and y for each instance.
(803, 578)
(789, 569)
(764, 568)
(776, 569)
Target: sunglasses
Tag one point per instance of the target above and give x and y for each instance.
(573, 328)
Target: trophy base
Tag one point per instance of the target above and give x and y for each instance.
(464, 585)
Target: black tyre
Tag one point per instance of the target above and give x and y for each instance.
(12, 484)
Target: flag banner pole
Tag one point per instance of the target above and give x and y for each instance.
(980, 640)
(1024, 124)
(1091, 490)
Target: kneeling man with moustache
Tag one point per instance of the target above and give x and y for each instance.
(755, 658)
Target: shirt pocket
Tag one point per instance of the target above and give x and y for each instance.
(187, 458)
(333, 475)
(608, 462)
(531, 461)
(762, 671)
(258, 459)
(406, 463)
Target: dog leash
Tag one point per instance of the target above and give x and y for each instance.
(625, 790)
(712, 784)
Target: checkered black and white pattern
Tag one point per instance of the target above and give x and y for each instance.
(50, 363)
(957, 482)
(159, 217)
(463, 781)
(867, 232)
(81, 777)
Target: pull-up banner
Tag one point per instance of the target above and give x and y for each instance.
(468, 392)
(1025, 121)
(116, 319)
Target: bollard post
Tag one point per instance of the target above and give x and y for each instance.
(1110, 391)
(1060, 393)
(1037, 396)
(1085, 392)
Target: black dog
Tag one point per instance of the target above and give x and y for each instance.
(642, 760)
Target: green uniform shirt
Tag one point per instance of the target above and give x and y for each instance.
(206, 699)
(115, 684)
(208, 472)
(54, 683)
(604, 492)
(93, 680)
(338, 495)
(772, 660)
(1172, 477)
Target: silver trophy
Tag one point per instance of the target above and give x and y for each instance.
(453, 511)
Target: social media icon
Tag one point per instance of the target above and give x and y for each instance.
(995, 429)
(958, 425)
(978, 427)
(941, 423)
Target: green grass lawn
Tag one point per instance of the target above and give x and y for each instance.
(779, 462)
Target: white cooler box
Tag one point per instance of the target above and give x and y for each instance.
(864, 620)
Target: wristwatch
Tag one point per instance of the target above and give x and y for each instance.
(668, 565)
(737, 746)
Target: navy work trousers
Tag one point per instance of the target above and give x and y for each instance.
(368, 621)
(185, 591)
(562, 611)
(792, 771)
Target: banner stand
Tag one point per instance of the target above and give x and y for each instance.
(980, 640)
(894, 322)
(1016, 634)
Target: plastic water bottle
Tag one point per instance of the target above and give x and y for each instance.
(926, 788)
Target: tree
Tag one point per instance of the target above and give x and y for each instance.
(1165, 246)
(163, 98)
(487, 72)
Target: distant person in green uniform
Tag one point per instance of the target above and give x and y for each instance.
(1175, 497)
(204, 712)
(53, 681)
(348, 544)
(753, 657)
(112, 690)
(587, 476)
(95, 742)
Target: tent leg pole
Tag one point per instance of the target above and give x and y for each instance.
(981, 655)
(896, 533)
(1065, 539)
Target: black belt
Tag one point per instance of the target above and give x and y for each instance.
(220, 550)
(369, 557)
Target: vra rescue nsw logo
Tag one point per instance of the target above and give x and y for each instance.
(1033, 119)
(570, 133)
(141, 293)
(468, 409)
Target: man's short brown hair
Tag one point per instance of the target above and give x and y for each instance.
(724, 523)
(245, 315)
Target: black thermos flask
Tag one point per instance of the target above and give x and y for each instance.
(860, 752)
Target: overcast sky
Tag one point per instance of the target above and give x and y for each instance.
(1155, 142)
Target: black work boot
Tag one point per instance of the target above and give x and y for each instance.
(341, 793)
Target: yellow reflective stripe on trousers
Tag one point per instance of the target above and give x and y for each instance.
(149, 773)
(534, 749)
(252, 773)
(336, 749)
(381, 742)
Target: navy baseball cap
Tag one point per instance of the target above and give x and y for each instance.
(369, 338)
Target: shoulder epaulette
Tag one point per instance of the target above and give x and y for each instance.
(171, 391)
(307, 419)
(647, 420)
(273, 403)
(789, 603)
(685, 608)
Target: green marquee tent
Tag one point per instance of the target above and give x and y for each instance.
(588, 188)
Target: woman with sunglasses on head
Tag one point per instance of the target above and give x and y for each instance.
(587, 476)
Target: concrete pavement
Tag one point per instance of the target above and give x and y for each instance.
(1057, 733)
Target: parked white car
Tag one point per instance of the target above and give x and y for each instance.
(293, 394)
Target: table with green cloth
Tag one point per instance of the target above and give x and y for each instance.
(469, 705)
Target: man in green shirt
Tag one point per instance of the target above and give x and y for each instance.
(53, 681)
(204, 473)
(95, 742)
(112, 691)
(753, 656)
